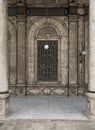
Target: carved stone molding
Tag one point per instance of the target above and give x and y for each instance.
(56, 90)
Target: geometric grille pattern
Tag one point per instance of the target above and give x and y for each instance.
(47, 65)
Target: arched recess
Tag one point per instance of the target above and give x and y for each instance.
(11, 53)
(62, 31)
(46, 33)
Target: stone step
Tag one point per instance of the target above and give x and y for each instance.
(46, 125)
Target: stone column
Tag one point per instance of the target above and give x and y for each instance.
(4, 96)
(91, 89)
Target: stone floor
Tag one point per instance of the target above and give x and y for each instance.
(48, 107)
(47, 113)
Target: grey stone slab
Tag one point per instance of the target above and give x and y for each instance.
(47, 107)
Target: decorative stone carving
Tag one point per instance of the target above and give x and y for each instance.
(33, 31)
(81, 90)
(25, 53)
(55, 90)
(47, 91)
(73, 91)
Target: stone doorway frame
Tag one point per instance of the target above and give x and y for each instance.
(53, 38)
(59, 72)
(62, 31)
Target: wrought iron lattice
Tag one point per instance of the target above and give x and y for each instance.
(47, 65)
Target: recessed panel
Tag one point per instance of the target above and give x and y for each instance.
(47, 56)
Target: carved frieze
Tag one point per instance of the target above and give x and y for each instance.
(51, 2)
(56, 90)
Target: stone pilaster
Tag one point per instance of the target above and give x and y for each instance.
(21, 40)
(81, 46)
(91, 89)
(4, 96)
(73, 23)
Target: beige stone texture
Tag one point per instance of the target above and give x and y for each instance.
(3, 47)
(81, 48)
(73, 49)
(4, 96)
(86, 48)
(91, 86)
(90, 107)
(21, 40)
(12, 59)
(4, 105)
(33, 28)
(92, 47)
(72, 36)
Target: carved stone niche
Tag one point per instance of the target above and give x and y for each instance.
(53, 28)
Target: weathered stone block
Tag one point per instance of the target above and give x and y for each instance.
(4, 105)
(90, 112)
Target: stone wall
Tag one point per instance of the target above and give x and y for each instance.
(72, 31)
